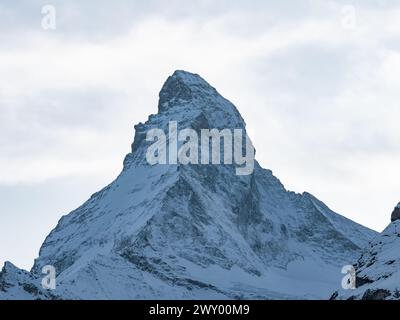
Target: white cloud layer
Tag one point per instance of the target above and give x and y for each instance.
(320, 98)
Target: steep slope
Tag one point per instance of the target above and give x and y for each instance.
(378, 268)
(198, 231)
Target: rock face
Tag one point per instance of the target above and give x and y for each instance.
(378, 268)
(396, 213)
(195, 231)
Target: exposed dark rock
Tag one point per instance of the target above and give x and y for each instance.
(334, 296)
(30, 288)
(361, 281)
(378, 294)
(396, 213)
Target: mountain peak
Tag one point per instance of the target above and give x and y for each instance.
(183, 87)
(190, 101)
(188, 77)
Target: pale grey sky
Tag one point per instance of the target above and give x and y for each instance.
(316, 81)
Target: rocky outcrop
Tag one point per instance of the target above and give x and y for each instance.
(396, 213)
(19, 284)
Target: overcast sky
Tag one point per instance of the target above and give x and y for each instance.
(317, 82)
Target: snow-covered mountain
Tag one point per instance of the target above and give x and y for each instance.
(193, 231)
(378, 268)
